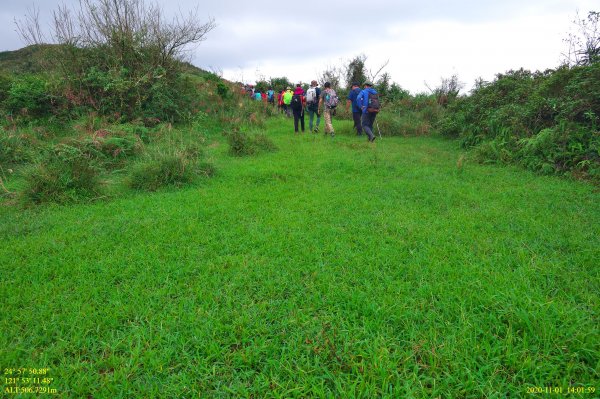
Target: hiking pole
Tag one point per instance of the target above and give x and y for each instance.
(379, 130)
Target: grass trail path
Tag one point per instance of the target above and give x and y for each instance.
(331, 268)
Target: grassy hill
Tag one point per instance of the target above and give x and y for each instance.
(331, 268)
(32, 59)
(23, 60)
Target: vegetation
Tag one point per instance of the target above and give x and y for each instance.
(330, 268)
(242, 144)
(547, 122)
(306, 266)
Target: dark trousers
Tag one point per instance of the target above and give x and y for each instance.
(357, 123)
(368, 119)
(298, 115)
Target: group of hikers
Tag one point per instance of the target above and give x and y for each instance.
(364, 102)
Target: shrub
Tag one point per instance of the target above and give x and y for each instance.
(65, 175)
(17, 148)
(546, 121)
(264, 143)
(560, 149)
(118, 148)
(396, 124)
(5, 83)
(170, 168)
(28, 95)
(242, 144)
(108, 149)
(170, 99)
(159, 171)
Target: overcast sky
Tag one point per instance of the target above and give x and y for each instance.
(423, 40)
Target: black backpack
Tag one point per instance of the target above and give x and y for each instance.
(374, 105)
(296, 102)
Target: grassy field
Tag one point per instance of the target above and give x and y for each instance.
(330, 268)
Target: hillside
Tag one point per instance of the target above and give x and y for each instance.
(33, 59)
(25, 60)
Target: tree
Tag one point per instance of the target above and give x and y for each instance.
(279, 84)
(356, 71)
(397, 93)
(332, 75)
(117, 51)
(383, 84)
(448, 90)
(584, 46)
(373, 75)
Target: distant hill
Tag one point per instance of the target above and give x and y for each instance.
(25, 60)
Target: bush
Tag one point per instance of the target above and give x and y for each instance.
(170, 99)
(264, 143)
(118, 148)
(5, 83)
(546, 121)
(108, 149)
(17, 148)
(28, 95)
(560, 149)
(242, 144)
(164, 170)
(396, 124)
(170, 168)
(65, 175)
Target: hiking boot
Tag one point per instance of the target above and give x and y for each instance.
(316, 129)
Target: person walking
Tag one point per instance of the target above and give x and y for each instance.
(328, 101)
(287, 99)
(271, 96)
(280, 101)
(368, 101)
(312, 105)
(297, 105)
(356, 111)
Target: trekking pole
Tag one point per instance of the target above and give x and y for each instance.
(377, 124)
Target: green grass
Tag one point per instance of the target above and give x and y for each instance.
(330, 268)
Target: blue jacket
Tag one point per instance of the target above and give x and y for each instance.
(352, 97)
(363, 98)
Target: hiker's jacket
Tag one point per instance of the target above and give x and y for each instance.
(363, 98)
(287, 97)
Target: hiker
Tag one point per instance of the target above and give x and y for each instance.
(287, 99)
(356, 111)
(257, 95)
(368, 101)
(328, 100)
(312, 105)
(297, 105)
(271, 96)
(280, 101)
